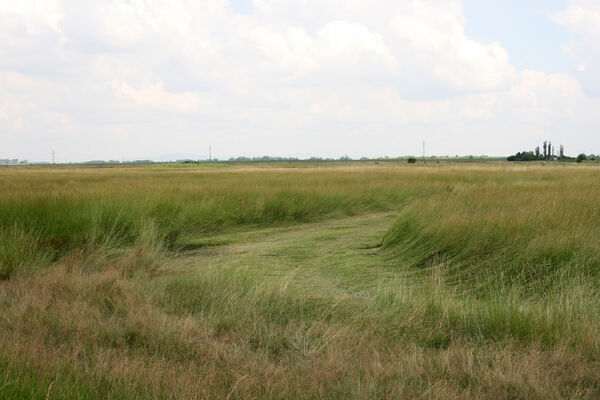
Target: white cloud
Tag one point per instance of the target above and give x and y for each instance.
(102, 26)
(154, 96)
(34, 13)
(326, 77)
(340, 53)
(582, 17)
(435, 33)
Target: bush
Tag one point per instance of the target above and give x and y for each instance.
(524, 156)
(582, 157)
(412, 160)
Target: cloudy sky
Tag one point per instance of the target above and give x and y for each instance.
(145, 78)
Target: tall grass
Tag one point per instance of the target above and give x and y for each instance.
(55, 212)
(486, 285)
(534, 235)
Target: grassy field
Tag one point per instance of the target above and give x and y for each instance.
(429, 281)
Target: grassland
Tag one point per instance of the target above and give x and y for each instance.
(356, 281)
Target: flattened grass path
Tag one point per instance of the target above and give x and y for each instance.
(316, 310)
(339, 257)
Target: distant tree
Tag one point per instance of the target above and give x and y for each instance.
(582, 157)
(545, 150)
(524, 156)
(412, 160)
(548, 153)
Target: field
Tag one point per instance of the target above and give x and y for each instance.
(365, 281)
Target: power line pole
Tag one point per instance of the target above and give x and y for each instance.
(209, 153)
(53, 154)
(423, 149)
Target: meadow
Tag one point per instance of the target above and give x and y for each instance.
(431, 281)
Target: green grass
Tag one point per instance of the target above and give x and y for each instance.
(492, 236)
(22, 382)
(428, 281)
(66, 210)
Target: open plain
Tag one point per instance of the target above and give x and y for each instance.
(300, 280)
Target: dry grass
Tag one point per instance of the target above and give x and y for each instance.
(312, 312)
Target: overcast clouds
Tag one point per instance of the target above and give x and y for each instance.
(107, 79)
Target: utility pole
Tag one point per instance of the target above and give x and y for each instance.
(423, 149)
(209, 154)
(53, 154)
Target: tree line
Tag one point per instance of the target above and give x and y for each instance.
(548, 152)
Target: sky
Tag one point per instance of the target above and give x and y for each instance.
(133, 79)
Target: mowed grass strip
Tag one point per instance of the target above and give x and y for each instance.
(372, 306)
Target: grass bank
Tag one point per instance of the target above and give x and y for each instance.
(534, 234)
